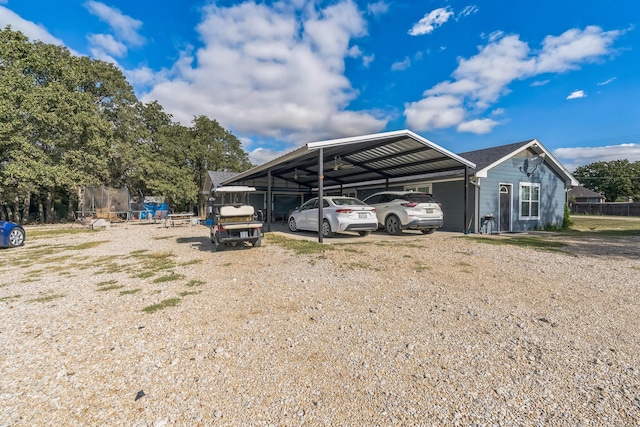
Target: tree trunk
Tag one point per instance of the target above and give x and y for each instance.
(25, 208)
(50, 207)
(40, 210)
(16, 209)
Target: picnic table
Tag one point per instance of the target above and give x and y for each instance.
(180, 218)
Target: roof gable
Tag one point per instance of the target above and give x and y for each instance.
(488, 158)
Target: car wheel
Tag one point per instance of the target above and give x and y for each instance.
(257, 243)
(16, 237)
(364, 233)
(292, 225)
(428, 230)
(326, 229)
(392, 224)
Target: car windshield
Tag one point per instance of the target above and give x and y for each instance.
(418, 198)
(347, 201)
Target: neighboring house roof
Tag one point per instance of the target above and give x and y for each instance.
(580, 192)
(215, 179)
(490, 157)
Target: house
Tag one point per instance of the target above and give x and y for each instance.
(521, 186)
(509, 188)
(581, 194)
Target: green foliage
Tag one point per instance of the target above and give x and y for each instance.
(616, 179)
(566, 219)
(68, 122)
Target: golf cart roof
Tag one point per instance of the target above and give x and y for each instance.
(233, 189)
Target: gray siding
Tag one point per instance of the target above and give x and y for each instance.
(552, 193)
(450, 194)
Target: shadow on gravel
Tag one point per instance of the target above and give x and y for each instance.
(625, 245)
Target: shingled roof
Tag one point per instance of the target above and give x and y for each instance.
(487, 156)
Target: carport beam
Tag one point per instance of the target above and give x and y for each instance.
(320, 191)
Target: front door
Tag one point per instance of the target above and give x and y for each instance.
(505, 208)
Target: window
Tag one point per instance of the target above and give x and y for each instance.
(529, 200)
(419, 188)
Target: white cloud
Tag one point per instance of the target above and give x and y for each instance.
(377, 8)
(481, 80)
(28, 28)
(606, 82)
(434, 112)
(431, 21)
(275, 72)
(108, 44)
(571, 158)
(539, 83)
(126, 28)
(477, 126)
(401, 65)
(368, 59)
(574, 47)
(468, 10)
(576, 94)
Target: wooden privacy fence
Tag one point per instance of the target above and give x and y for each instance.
(614, 209)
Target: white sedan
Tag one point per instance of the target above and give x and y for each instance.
(339, 214)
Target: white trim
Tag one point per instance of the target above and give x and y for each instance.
(530, 217)
(536, 146)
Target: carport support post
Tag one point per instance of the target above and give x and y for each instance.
(320, 191)
(466, 194)
(269, 200)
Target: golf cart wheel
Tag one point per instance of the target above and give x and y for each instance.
(257, 243)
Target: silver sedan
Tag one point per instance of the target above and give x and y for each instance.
(339, 214)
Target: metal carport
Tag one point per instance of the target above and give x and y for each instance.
(369, 159)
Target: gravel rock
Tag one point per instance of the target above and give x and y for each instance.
(413, 330)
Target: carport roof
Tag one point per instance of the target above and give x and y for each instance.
(362, 159)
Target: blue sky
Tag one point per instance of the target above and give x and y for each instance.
(466, 75)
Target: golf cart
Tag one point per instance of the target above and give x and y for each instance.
(235, 221)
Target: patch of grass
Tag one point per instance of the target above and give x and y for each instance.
(194, 282)
(107, 282)
(300, 247)
(57, 259)
(10, 298)
(361, 265)
(609, 226)
(185, 293)
(524, 242)
(406, 256)
(171, 302)
(55, 232)
(168, 278)
(163, 237)
(110, 288)
(112, 267)
(86, 245)
(420, 267)
(192, 262)
(351, 250)
(462, 264)
(145, 275)
(130, 291)
(138, 253)
(47, 298)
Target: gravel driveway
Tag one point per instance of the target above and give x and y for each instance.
(141, 325)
